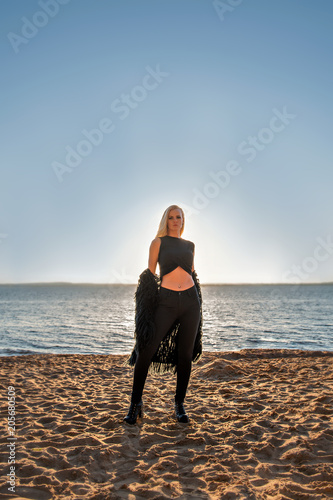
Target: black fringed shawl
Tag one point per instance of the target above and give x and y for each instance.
(146, 300)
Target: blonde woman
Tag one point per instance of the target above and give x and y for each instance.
(168, 314)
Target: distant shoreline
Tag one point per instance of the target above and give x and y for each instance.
(68, 283)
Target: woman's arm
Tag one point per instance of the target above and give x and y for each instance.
(153, 254)
(193, 260)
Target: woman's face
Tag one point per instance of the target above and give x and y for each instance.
(175, 220)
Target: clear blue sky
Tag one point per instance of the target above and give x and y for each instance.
(225, 111)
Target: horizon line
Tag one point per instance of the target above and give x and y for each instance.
(131, 284)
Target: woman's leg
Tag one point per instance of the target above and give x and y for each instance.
(165, 316)
(189, 322)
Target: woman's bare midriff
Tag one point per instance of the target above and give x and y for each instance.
(178, 279)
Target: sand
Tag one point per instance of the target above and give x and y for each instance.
(261, 428)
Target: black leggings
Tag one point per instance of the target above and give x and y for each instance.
(172, 305)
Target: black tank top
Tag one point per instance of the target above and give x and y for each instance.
(175, 252)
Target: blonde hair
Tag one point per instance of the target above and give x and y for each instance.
(163, 227)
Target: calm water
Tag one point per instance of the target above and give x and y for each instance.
(99, 319)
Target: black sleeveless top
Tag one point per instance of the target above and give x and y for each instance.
(175, 252)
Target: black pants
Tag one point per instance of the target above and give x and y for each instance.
(172, 305)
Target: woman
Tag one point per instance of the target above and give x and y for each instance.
(168, 313)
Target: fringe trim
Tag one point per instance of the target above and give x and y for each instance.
(165, 358)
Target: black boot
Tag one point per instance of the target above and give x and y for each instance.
(180, 412)
(134, 410)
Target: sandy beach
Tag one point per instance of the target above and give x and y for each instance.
(261, 428)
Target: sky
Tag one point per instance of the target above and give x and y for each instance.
(114, 110)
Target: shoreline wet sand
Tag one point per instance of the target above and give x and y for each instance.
(261, 427)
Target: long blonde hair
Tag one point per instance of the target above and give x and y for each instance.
(163, 227)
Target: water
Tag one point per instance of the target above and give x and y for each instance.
(99, 319)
